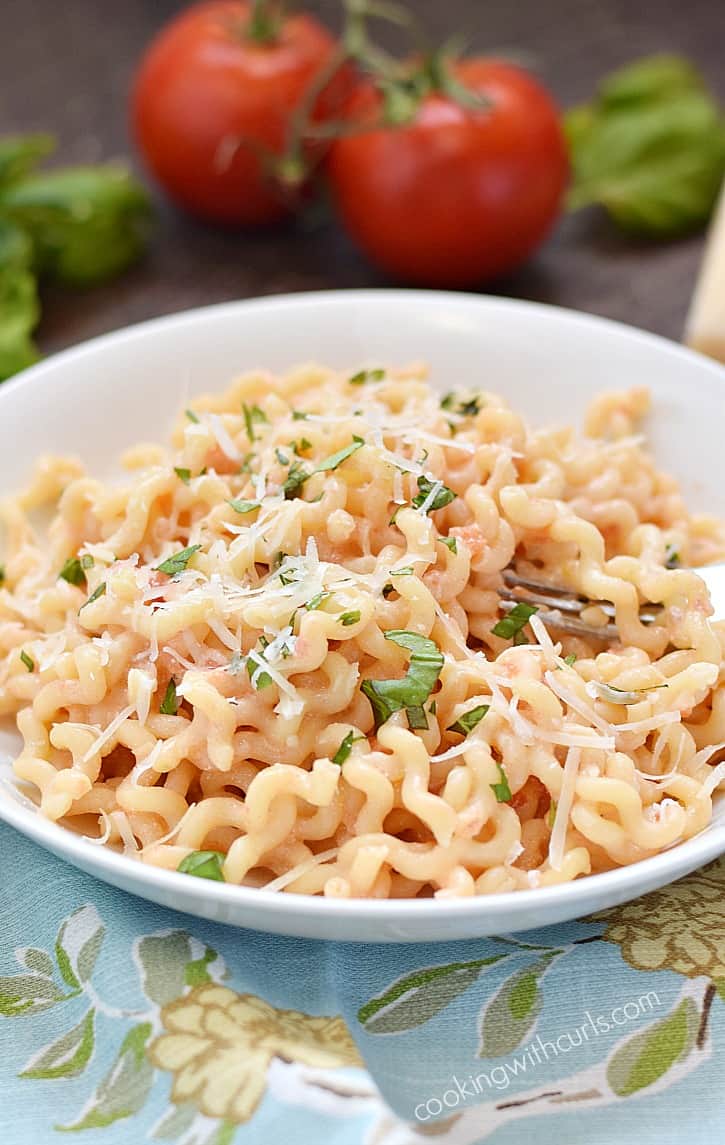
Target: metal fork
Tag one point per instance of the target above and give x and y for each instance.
(561, 609)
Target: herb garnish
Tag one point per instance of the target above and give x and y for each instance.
(363, 376)
(192, 416)
(297, 475)
(450, 543)
(261, 679)
(95, 595)
(469, 720)
(183, 474)
(169, 705)
(467, 407)
(501, 790)
(176, 564)
(348, 618)
(281, 457)
(345, 748)
(672, 557)
(72, 572)
(336, 459)
(551, 814)
(27, 661)
(299, 415)
(2, 574)
(388, 696)
(443, 497)
(388, 590)
(203, 864)
(317, 600)
(87, 561)
(253, 414)
(570, 660)
(512, 626)
(244, 506)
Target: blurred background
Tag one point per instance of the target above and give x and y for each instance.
(66, 69)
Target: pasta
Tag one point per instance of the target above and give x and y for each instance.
(275, 654)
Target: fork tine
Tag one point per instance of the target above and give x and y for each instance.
(555, 597)
(553, 618)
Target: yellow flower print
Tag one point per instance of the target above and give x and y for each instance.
(219, 1045)
(681, 927)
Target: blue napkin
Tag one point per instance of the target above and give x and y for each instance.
(123, 1022)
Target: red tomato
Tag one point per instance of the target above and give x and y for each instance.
(459, 194)
(211, 106)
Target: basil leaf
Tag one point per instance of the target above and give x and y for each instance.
(170, 704)
(343, 752)
(299, 415)
(86, 223)
(450, 543)
(551, 814)
(388, 696)
(650, 148)
(417, 719)
(253, 414)
(469, 720)
(183, 474)
(87, 561)
(513, 624)
(95, 595)
(348, 618)
(243, 507)
(192, 416)
(336, 459)
(570, 660)
(262, 679)
(176, 564)
(27, 661)
(363, 376)
(3, 575)
(72, 572)
(296, 477)
(317, 601)
(281, 457)
(204, 865)
(672, 557)
(443, 497)
(501, 790)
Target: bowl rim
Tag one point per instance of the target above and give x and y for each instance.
(660, 869)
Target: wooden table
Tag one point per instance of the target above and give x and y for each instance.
(65, 67)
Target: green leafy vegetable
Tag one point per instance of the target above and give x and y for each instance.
(336, 459)
(176, 564)
(282, 458)
(297, 474)
(469, 720)
(551, 814)
(501, 790)
(348, 618)
(254, 660)
(363, 376)
(2, 575)
(19, 154)
(183, 474)
(317, 600)
(203, 864)
(170, 704)
(87, 561)
(86, 224)
(243, 507)
(570, 660)
(27, 661)
(95, 595)
(194, 418)
(388, 696)
(650, 148)
(253, 414)
(450, 543)
(465, 407)
(513, 624)
(72, 572)
(299, 415)
(672, 557)
(443, 497)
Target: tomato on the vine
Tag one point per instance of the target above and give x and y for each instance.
(214, 102)
(462, 190)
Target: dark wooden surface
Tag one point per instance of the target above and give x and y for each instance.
(65, 67)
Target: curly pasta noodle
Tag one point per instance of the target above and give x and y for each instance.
(193, 656)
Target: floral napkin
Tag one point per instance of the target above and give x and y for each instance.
(123, 1023)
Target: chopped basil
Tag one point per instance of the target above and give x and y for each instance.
(27, 661)
(170, 704)
(407, 571)
(87, 561)
(253, 414)
(621, 695)
(176, 564)
(243, 507)
(513, 624)
(289, 576)
(363, 376)
(443, 497)
(672, 557)
(301, 446)
(299, 415)
(317, 600)
(348, 618)
(296, 477)
(192, 416)
(388, 590)
(2, 574)
(336, 459)
(417, 720)
(432, 707)
(388, 696)
(95, 595)
(262, 679)
(469, 720)
(501, 790)
(203, 864)
(450, 543)
(551, 814)
(72, 572)
(183, 474)
(281, 457)
(343, 752)
(395, 514)
(467, 407)
(570, 660)
(246, 466)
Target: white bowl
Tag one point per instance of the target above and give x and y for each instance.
(100, 397)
